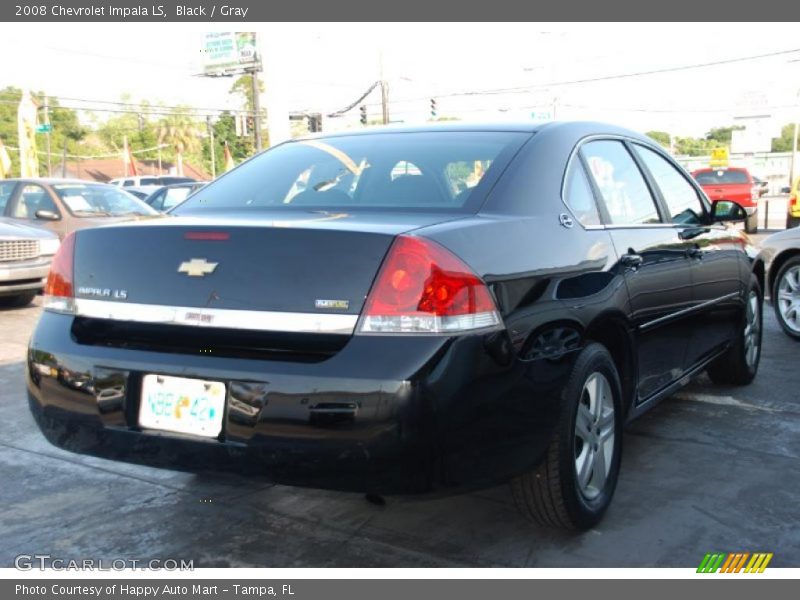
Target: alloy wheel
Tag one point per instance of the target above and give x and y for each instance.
(788, 298)
(594, 435)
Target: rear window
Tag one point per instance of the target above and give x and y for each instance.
(721, 177)
(436, 171)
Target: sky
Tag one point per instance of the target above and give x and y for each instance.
(322, 67)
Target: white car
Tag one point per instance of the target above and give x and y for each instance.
(147, 184)
(25, 256)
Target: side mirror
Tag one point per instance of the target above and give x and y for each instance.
(47, 215)
(725, 210)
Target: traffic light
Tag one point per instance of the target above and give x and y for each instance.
(363, 110)
(433, 108)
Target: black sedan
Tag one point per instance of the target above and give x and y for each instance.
(404, 310)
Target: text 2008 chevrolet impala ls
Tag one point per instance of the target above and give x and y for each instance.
(403, 310)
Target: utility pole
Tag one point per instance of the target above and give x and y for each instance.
(47, 134)
(256, 107)
(213, 148)
(384, 92)
(64, 159)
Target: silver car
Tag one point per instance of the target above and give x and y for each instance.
(25, 255)
(780, 253)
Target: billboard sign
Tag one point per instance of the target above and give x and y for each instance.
(229, 52)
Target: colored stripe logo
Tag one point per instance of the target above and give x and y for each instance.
(735, 562)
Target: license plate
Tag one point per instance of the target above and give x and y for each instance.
(182, 405)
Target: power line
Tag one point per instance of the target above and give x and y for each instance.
(522, 89)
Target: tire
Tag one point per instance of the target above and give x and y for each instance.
(17, 301)
(739, 364)
(786, 297)
(751, 224)
(551, 494)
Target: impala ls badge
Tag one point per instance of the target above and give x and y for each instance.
(197, 267)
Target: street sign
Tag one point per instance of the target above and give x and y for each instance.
(44, 128)
(719, 157)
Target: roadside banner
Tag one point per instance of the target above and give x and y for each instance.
(26, 129)
(5, 162)
(229, 162)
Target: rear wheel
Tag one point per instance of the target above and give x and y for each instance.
(786, 297)
(17, 300)
(739, 365)
(574, 484)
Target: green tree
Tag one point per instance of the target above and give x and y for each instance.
(662, 137)
(722, 135)
(241, 147)
(784, 142)
(243, 89)
(182, 134)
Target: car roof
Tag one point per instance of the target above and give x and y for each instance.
(55, 180)
(584, 127)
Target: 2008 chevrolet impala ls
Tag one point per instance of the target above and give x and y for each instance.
(403, 310)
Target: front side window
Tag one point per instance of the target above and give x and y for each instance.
(32, 199)
(579, 196)
(438, 171)
(682, 201)
(622, 186)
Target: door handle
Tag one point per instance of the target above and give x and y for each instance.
(631, 260)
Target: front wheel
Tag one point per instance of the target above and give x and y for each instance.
(786, 297)
(573, 485)
(739, 364)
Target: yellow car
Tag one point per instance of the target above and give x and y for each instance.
(793, 208)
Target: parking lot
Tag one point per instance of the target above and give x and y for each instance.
(710, 469)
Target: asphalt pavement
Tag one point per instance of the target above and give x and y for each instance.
(711, 469)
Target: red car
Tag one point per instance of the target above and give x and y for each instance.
(732, 183)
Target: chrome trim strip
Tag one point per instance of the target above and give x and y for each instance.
(686, 311)
(217, 317)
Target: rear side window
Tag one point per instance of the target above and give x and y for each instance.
(579, 196)
(621, 184)
(682, 200)
(721, 177)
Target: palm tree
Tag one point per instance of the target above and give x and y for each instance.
(181, 132)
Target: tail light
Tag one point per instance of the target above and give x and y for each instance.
(423, 288)
(792, 200)
(58, 291)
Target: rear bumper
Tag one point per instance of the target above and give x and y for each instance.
(23, 277)
(425, 413)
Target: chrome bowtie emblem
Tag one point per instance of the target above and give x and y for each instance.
(197, 267)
